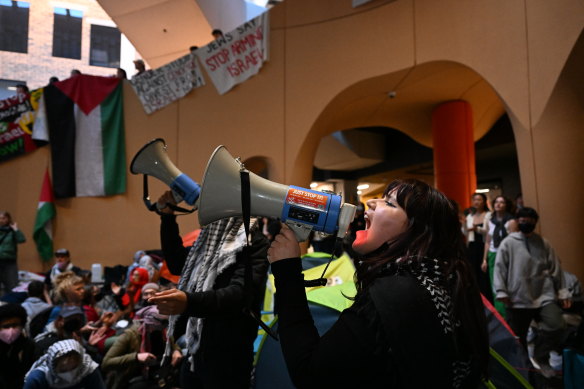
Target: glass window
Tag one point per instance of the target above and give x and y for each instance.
(14, 26)
(67, 33)
(105, 46)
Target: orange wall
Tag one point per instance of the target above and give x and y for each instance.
(325, 59)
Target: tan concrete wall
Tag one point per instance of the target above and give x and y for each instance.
(329, 61)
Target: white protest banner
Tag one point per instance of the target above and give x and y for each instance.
(238, 55)
(159, 87)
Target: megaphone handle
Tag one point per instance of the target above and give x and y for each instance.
(156, 207)
(177, 198)
(302, 231)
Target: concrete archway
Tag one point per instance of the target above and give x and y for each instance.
(403, 100)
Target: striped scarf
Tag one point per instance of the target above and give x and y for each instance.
(214, 251)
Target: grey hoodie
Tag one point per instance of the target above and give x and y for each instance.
(527, 270)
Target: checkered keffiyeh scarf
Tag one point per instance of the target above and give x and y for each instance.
(46, 364)
(214, 251)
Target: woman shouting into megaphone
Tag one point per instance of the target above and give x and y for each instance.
(417, 319)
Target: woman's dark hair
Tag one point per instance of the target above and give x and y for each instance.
(508, 203)
(433, 232)
(433, 229)
(10, 310)
(484, 199)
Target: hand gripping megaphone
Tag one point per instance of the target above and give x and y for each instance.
(152, 160)
(303, 210)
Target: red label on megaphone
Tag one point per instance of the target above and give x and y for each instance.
(306, 199)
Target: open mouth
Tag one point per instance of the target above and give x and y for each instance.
(361, 237)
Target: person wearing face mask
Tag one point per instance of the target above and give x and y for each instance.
(528, 280)
(64, 365)
(417, 320)
(16, 350)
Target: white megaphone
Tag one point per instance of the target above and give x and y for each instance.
(304, 210)
(152, 160)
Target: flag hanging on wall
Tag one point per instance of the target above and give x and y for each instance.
(85, 118)
(43, 225)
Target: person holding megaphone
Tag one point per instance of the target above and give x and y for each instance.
(417, 320)
(212, 297)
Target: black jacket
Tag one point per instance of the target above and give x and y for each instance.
(15, 361)
(225, 356)
(391, 337)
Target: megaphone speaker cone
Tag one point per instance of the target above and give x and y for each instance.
(221, 191)
(153, 160)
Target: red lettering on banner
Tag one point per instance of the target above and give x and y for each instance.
(242, 65)
(247, 42)
(222, 57)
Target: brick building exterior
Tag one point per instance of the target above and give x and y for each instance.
(38, 64)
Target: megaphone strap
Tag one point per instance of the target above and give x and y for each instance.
(248, 276)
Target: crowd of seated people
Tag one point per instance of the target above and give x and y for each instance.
(66, 332)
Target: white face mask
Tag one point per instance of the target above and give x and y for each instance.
(68, 376)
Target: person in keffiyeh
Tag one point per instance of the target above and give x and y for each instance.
(65, 365)
(212, 297)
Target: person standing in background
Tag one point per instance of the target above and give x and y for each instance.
(499, 223)
(475, 231)
(528, 280)
(10, 237)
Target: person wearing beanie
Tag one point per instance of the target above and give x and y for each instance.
(148, 290)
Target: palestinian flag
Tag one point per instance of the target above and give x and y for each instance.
(43, 226)
(85, 118)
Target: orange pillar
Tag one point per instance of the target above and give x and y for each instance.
(454, 153)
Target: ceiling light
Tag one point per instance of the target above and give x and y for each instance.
(482, 191)
(362, 186)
